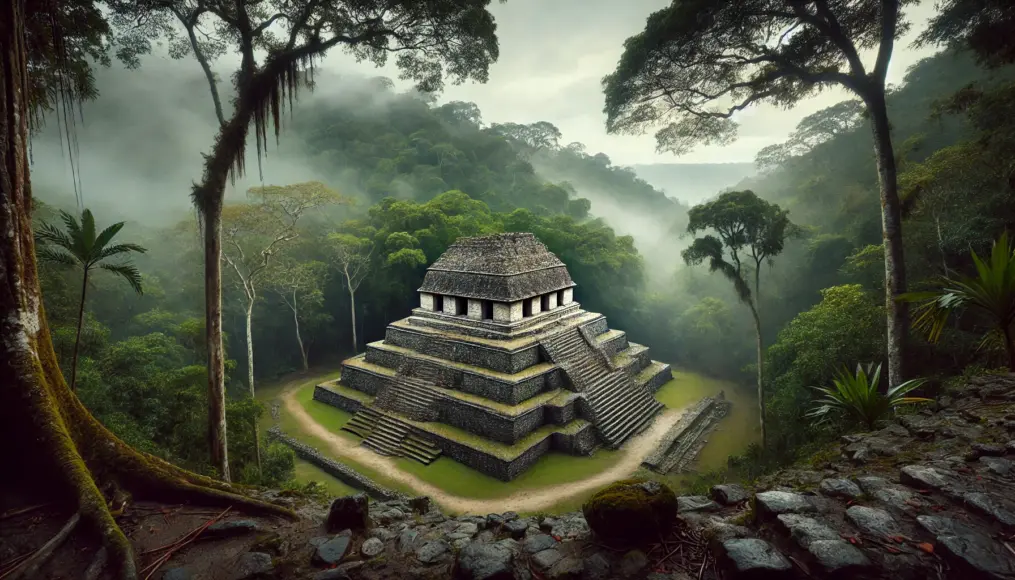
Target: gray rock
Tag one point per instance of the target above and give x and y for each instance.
(835, 555)
(873, 521)
(494, 520)
(963, 543)
(927, 477)
(567, 568)
(229, 529)
(485, 562)
(460, 543)
(543, 560)
(457, 536)
(572, 527)
(178, 573)
(509, 544)
(333, 574)
(729, 493)
(632, 563)
(349, 512)
(331, 552)
(539, 543)
(840, 488)
(508, 516)
(1010, 446)
(987, 449)
(432, 551)
(532, 531)
(486, 536)
(318, 540)
(371, 547)
(469, 528)
(773, 503)
(997, 465)
(754, 556)
(434, 518)
(251, 565)
(383, 534)
(806, 530)
(989, 506)
(718, 531)
(696, 503)
(895, 498)
(597, 566)
(871, 483)
(516, 528)
(391, 515)
(407, 541)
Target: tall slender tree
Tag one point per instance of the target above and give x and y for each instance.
(352, 257)
(299, 285)
(80, 247)
(748, 231)
(432, 39)
(63, 455)
(698, 63)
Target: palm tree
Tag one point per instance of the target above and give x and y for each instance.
(79, 246)
(991, 292)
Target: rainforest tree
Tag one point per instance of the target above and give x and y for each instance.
(64, 454)
(748, 231)
(697, 64)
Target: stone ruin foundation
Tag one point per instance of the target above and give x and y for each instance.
(497, 366)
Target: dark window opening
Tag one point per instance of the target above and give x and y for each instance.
(488, 310)
(438, 303)
(526, 307)
(544, 302)
(560, 297)
(461, 306)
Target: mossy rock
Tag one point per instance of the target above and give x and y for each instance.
(631, 511)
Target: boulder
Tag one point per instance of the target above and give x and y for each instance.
(632, 510)
(696, 503)
(229, 529)
(432, 551)
(479, 561)
(873, 521)
(843, 488)
(754, 556)
(331, 552)
(545, 559)
(251, 565)
(729, 493)
(597, 566)
(538, 543)
(965, 544)
(773, 503)
(632, 564)
(371, 547)
(350, 512)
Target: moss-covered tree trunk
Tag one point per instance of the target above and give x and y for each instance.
(63, 453)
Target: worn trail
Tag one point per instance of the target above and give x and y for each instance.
(633, 453)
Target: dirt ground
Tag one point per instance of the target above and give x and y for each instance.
(534, 500)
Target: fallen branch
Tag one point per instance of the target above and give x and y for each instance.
(24, 510)
(29, 567)
(178, 545)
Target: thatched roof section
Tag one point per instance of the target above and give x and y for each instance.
(501, 267)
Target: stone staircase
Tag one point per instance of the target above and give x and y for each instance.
(619, 407)
(387, 435)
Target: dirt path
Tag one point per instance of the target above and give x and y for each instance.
(633, 453)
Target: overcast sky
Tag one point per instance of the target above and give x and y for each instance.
(553, 54)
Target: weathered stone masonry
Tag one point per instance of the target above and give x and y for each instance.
(502, 363)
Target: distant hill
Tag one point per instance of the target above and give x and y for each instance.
(693, 182)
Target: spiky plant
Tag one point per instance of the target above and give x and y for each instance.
(79, 246)
(990, 293)
(856, 395)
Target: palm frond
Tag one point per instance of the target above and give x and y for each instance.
(56, 255)
(106, 235)
(48, 234)
(88, 231)
(857, 395)
(119, 249)
(128, 272)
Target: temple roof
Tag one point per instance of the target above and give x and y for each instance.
(502, 267)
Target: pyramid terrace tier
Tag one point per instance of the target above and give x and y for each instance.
(504, 356)
(547, 401)
(504, 461)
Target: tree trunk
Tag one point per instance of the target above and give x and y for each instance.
(352, 311)
(213, 336)
(250, 370)
(891, 226)
(63, 456)
(1009, 345)
(755, 308)
(77, 337)
(299, 338)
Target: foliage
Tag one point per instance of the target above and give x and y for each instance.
(858, 396)
(631, 511)
(990, 293)
(983, 25)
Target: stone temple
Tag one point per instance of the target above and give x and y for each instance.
(497, 367)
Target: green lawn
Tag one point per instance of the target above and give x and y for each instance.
(735, 434)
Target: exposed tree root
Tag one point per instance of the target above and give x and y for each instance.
(97, 566)
(30, 567)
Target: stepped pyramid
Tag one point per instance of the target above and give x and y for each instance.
(498, 366)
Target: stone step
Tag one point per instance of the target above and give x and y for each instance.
(619, 430)
(357, 430)
(619, 395)
(616, 421)
(423, 443)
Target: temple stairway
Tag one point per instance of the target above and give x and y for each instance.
(620, 408)
(387, 435)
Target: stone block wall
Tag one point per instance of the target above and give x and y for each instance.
(614, 345)
(336, 399)
(363, 380)
(457, 351)
(659, 379)
(486, 423)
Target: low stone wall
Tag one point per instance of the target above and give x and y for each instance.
(336, 399)
(458, 351)
(343, 473)
(363, 380)
(659, 379)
